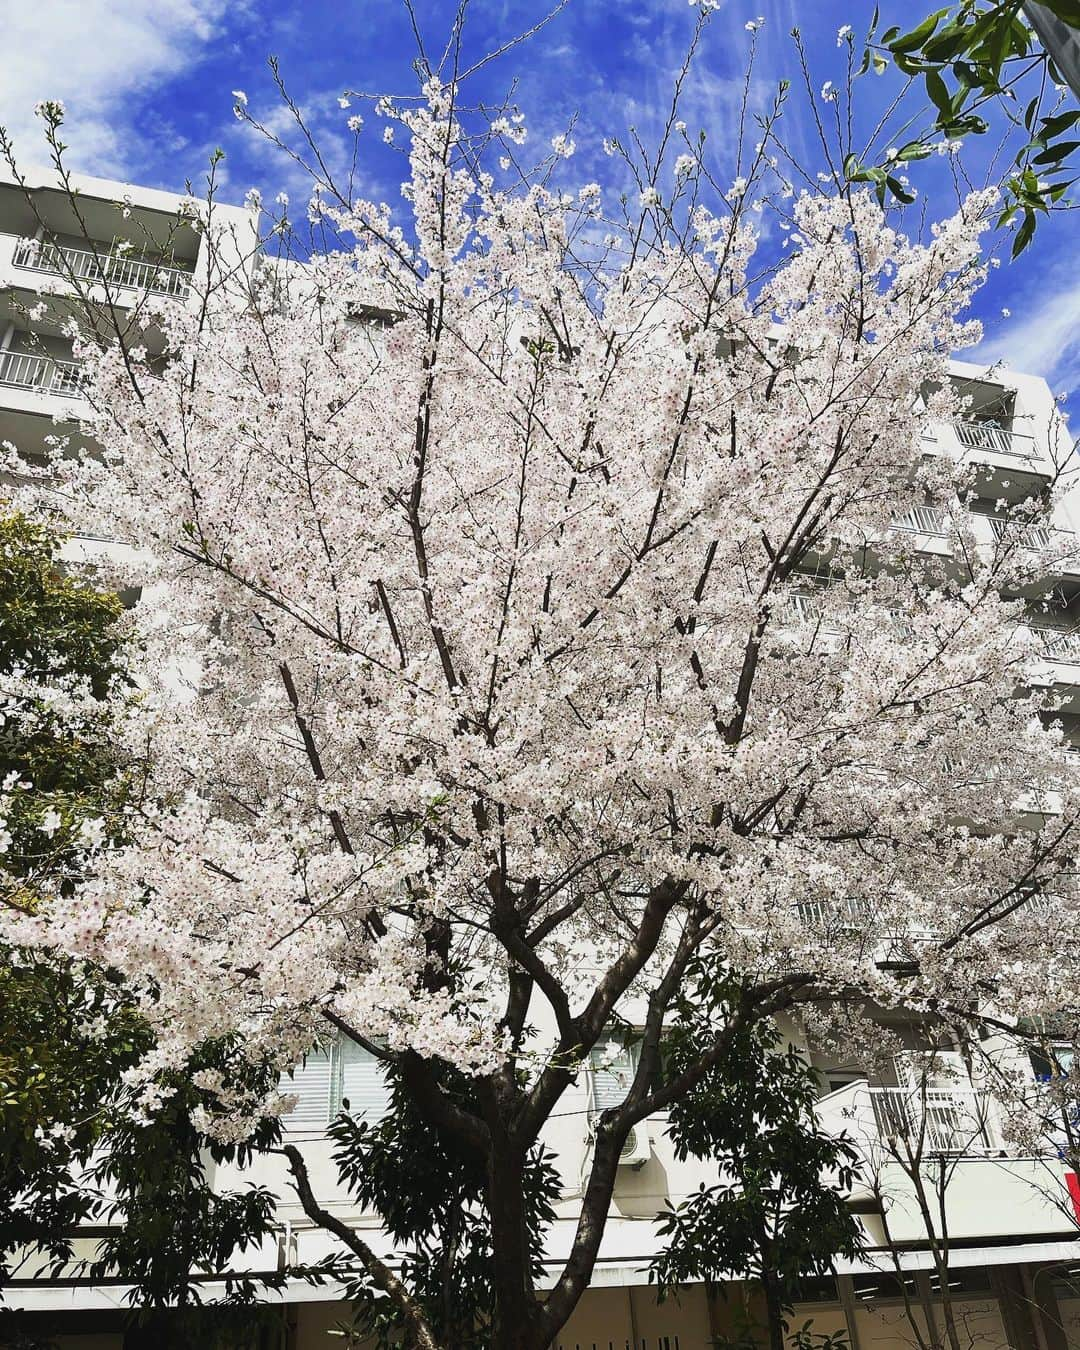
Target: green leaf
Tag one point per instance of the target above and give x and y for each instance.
(939, 94)
(899, 191)
(1054, 153)
(913, 150)
(1068, 11)
(1054, 126)
(917, 37)
(949, 43)
(1024, 234)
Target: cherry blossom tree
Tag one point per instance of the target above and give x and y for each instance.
(523, 620)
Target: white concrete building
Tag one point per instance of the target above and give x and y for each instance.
(1012, 1230)
(112, 243)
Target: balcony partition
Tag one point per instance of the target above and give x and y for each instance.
(937, 1120)
(898, 1121)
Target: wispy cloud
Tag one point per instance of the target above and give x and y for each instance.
(100, 57)
(1043, 336)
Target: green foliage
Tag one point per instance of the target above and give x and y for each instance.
(159, 1172)
(430, 1199)
(56, 632)
(65, 1038)
(66, 1033)
(778, 1211)
(72, 1151)
(969, 57)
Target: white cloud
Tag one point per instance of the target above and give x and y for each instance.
(1044, 337)
(95, 55)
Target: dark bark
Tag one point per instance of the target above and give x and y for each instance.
(380, 1274)
(774, 1313)
(516, 1312)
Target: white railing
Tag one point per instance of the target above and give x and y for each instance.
(24, 370)
(115, 268)
(847, 912)
(1060, 644)
(942, 1120)
(1038, 538)
(986, 436)
(922, 520)
(804, 608)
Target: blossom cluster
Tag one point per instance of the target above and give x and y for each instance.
(477, 624)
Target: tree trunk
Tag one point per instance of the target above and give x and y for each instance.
(774, 1313)
(515, 1312)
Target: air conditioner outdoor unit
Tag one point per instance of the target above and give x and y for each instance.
(636, 1151)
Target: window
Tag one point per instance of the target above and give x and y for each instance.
(343, 1077)
(1054, 1061)
(838, 1079)
(612, 1065)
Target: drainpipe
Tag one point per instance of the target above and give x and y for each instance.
(633, 1316)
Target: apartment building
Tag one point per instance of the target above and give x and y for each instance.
(112, 244)
(1006, 1216)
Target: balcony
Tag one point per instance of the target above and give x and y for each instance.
(895, 1122)
(935, 1121)
(1009, 465)
(42, 374)
(115, 269)
(922, 520)
(1062, 645)
(846, 912)
(998, 440)
(990, 1190)
(1034, 538)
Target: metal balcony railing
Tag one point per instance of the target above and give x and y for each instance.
(922, 520)
(115, 268)
(1060, 645)
(943, 1120)
(23, 370)
(986, 436)
(1038, 538)
(846, 912)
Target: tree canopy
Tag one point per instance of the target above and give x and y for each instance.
(532, 615)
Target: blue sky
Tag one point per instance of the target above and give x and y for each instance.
(148, 91)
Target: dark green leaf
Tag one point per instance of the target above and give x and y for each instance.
(1068, 11)
(1054, 126)
(913, 150)
(1054, 153)
(939, 94)
(947, 44)
(1024, 234)
(917, 37)
(899, 191)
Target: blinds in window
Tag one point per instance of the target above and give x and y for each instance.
(359, 1081)
(612, 1067)
(311, 1081)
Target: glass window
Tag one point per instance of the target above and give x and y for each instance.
(341, 1077)
(612, 1065)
